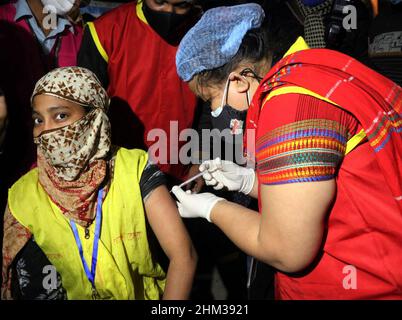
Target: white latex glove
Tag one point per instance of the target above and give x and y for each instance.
(62, 6)
(220, 173)
(193, 205)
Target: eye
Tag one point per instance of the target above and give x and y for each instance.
(61, 116)
(37, 121)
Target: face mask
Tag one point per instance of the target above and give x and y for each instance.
(61, 7)
(70, 149)
(227, 117)
(169, 25)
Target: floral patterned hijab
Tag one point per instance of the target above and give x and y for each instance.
(72, 159)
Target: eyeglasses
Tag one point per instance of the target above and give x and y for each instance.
(247, 72)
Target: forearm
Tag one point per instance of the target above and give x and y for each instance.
(180, 276)
(272, 243)
(242, 226)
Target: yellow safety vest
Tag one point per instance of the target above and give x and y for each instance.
(125, 268)
(299, 45)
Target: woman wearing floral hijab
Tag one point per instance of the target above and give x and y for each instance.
(76, 226)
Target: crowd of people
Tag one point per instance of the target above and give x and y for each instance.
(302, 199)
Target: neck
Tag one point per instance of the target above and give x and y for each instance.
(36, 7)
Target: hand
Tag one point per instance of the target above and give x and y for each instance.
(195, 205)
(219, 173)
(196, 185)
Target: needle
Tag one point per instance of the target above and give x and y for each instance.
(190, 180)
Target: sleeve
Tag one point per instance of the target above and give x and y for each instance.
(14, 239)
(301, 139)
(34, 277)
(151, 179)
(91, 58)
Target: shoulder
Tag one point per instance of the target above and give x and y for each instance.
(131, 154)
(130, 162)
(293, 107)
(117, 16)
(27, 180)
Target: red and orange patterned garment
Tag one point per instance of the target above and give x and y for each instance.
(300, 138)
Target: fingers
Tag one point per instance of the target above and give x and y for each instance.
(207, 176)
(211, 182)
(211, 165)
(219, 186)
(179, 193)
(215, 164)
(204, 166)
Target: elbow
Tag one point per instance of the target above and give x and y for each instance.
(290, 260)
(293, 265)
(289, 265)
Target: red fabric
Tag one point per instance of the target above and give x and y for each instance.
(70, 44)
(147, 91)
(376, 102)
(301, 139)
(364, 225)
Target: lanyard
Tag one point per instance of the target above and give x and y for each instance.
(91, 274)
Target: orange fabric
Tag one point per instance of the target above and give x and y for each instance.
(301, 139)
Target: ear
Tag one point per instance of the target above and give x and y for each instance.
(240, 83)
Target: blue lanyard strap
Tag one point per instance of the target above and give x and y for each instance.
(90, 274)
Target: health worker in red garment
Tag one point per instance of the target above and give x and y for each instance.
(328, 150)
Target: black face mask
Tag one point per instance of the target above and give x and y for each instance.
(230, 118)
(169, 25)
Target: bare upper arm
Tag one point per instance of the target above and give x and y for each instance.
(166, 223)
(292, 222)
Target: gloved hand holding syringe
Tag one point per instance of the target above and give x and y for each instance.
(188, 181)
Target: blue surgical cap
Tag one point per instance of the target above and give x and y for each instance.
(216, 38)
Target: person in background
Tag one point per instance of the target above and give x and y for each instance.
(385, 40)
(324, 132)
(321, 23)
(37, 39)
(132, 51)
(88, 198)
(34, 40)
